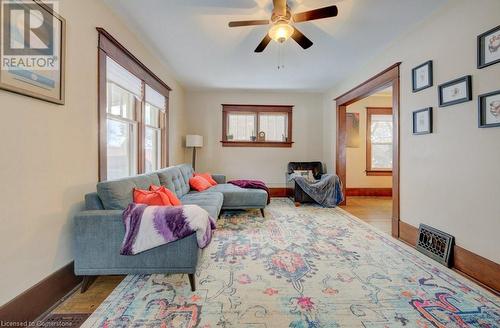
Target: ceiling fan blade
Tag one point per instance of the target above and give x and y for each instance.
(249, 23)
(279, 7)
(325, 12)
(263, 44)
(301, 39)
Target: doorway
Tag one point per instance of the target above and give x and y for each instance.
(382, 82)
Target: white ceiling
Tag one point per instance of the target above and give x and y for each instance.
(193, 38)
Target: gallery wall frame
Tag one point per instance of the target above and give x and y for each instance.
(421, 76)
(422, 121)
(489, 109)
(455, 92)
(488, 48)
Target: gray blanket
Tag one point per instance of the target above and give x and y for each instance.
(327, 191)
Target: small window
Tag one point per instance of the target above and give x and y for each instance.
(257, 126)
(379, 132)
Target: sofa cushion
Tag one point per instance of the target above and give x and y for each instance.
(187, 172)
(117, 194)
(173, 179)
(236, 197)
(210, 201)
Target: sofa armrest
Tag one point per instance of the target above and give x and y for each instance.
(219, 178)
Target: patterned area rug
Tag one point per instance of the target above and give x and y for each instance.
(302, 267)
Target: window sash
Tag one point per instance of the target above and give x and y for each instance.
(259, 112)
(132, 146)
(374, 115)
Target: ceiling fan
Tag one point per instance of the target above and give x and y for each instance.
(282, 24)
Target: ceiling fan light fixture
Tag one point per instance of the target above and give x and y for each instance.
(281, 31)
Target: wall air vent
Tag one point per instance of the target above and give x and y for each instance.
(435, 244)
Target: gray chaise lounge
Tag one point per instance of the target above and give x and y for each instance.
(99, 230)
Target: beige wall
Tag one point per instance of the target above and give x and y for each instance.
(49, 152)
(204, 112)
(356, 157)
(449, 179)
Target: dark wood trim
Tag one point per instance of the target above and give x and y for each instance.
(386, 78)
(476, 267)
(369, 112)
(41, 297)
(370, 86)
(378, 173)
(369, 192)
(124, 57)
(257, 109)
(280, 192)
(109, 47)
(256, 144)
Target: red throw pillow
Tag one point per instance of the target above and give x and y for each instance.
(172, 197)
(208, 177)
(151, 198)
(199, 184)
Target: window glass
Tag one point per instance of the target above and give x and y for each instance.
(241, 126)
(152, 116)
(152, 149)
(121, 149)
(274, 125)
(381, 142)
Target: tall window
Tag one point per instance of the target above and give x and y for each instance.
(132, 114)
(379, 130)
(257, 126)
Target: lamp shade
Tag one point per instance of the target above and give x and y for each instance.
(193, 140)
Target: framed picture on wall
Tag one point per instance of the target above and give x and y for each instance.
(33, 66)
(422, 121)
(489, 109)
(421, 76)
(488, 48)
(455, 92)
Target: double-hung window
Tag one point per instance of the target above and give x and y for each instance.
(379, 132)
(257, 126)
(133, 105)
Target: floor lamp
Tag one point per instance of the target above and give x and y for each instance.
(194, 141)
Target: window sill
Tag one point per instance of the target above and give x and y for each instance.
(276, 144)
(378, 173)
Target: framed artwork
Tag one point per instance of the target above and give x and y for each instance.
(422, 121)
(488, 48)
(352, 128)
(421, 76)
(455, 92)
(32, 66)
(489, 109)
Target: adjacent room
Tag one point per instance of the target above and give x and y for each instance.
(250, 163)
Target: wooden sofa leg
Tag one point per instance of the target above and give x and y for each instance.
(192, 282)
(87, 281)
(262, 212)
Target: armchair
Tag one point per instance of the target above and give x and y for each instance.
(297, 194)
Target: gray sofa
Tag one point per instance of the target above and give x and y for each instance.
(99, 230)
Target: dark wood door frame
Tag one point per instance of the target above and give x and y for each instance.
(388, 77)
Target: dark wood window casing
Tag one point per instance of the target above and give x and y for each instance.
(108, 46)
(369, 112)
(256, 110)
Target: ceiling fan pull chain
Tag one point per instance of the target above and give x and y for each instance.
(281, 57)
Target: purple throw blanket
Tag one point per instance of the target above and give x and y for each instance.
(252, 184)
(147, 227)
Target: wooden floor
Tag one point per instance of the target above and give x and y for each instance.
(376, 211)
(373, 210)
